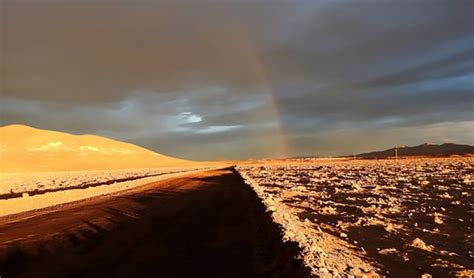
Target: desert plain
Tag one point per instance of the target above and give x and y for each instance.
(404, 218)
(334, 218)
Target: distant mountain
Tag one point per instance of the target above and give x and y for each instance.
(426, 149)
(26, 149)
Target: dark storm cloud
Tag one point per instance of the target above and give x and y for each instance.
(191, 78)
(118, 47)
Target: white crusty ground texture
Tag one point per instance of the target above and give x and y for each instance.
(349, 217)
(28, 182)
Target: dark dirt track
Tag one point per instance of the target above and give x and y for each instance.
(206, 224)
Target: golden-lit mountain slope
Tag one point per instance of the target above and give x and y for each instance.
(27, 149)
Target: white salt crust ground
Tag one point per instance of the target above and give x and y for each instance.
(27, 203)
(326, 255)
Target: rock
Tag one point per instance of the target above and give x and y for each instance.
(389, 227)
(466, 273)
(301, 188)
(340, 266)
(437, 218)
(323, 270)
(388, 251)
(372, 274)
(356, 271)
(420, 244)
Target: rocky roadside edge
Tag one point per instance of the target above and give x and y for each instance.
(324, 254)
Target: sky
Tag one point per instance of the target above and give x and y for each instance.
(208, 80)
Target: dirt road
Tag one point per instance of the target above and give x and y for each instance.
(207, 224)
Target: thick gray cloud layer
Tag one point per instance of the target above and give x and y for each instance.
(192, 78)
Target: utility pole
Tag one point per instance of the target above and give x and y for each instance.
(396, 154)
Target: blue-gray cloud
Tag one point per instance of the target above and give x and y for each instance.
(192, 78)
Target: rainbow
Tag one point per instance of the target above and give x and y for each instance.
(264, 79)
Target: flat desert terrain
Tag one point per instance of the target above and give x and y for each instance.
(204, 224)
(402, 218)
(340, 218)
(14, 185)
(40, 190)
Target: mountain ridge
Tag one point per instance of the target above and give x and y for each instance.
(425, 149)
